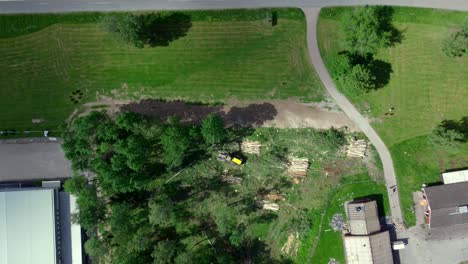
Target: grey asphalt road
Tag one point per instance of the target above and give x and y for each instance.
(32, 161)
(38, 6)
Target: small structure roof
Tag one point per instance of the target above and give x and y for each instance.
(27, 226)
(447, 203)
(455, 176)
(363, 217)
(372, 249)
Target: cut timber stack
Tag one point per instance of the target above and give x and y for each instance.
(251, 147)
(267, 205)
(357, 148)
(298, 167)
(291, 246)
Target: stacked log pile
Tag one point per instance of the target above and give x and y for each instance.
(357, 148)
(297, 167)
(251, 147)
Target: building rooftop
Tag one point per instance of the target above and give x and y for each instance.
(372, 249)
(455, 176)
(448, 204)
(363, 217)
(28, 226)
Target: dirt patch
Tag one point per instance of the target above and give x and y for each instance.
(292, 114)
(273, 113)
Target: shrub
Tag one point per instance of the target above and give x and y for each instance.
(456, 44)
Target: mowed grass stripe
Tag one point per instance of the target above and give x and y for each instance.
(214, 61)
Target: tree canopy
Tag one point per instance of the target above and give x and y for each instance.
(136, 209)
(457, 43)
(212, 130)
(367, 29)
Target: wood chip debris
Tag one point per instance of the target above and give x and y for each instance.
(298, 166)
(251, 147)
(291, 246)
(227, 177)
(356, 148)
(231, 179)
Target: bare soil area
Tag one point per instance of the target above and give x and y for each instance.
(272, 113)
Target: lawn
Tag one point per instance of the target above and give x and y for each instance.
(425, 87)
(226, 54)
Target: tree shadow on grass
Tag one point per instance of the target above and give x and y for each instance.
(161, 29)
(385, 14)
(381, 70)
(460, 126)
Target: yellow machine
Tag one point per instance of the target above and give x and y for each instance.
(237, 161)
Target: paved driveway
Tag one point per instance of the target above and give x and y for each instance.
(32, 161)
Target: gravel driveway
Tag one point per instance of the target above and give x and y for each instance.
(32, 161)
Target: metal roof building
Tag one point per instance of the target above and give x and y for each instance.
(35, 227)
(447, 204)
(372, 249)
(28, 227)
(363, 217)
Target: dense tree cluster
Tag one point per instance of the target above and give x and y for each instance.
(151, 29)
(367, 29)
(457, 43)
(135, 209)
(449, 133)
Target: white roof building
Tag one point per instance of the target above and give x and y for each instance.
(455, 176)
(28, 226)
(35, 227)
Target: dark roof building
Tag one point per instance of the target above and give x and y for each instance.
(447, 204)
(365, 243)
(363, 217)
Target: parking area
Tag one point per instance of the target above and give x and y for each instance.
(34, 160)
(448, 245)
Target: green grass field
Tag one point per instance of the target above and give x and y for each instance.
(425, 88)
(225, 54)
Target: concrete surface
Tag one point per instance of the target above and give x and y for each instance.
(32, 161)
(421, 250)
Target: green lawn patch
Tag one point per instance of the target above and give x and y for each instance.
(425, 88)
(322, 241)
(330, 244)
(51, 64)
